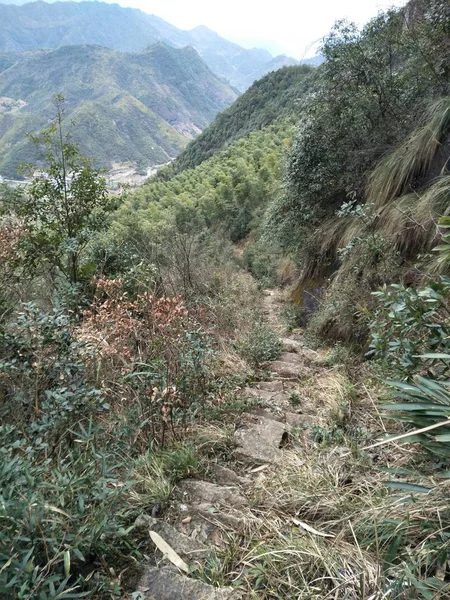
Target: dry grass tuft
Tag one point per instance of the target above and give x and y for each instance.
(401, 169)
(324, 487)
(325, 396)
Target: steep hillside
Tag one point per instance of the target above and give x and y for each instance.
(277, 95)
(140, 107)
(42, 25)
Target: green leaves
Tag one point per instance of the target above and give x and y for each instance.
(428, 403)
(410, 330)
(63, 205)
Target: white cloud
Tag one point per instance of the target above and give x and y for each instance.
(291, 26)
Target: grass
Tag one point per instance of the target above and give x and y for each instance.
(397, 173)
(156, 474)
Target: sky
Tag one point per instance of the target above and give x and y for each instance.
(291, 27)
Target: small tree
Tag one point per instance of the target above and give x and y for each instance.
(65, 203)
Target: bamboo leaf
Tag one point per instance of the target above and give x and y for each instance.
(168, 551)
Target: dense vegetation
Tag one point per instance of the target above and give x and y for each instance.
(125, 324)
(276, 96)
(140, 107)
(54, 25)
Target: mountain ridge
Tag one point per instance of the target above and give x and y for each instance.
(141, 107)
(41, 24)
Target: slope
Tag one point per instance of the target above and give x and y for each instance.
(42, 25)
(277, 95)
(140, 107)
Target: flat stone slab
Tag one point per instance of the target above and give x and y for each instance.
(296, 419)
(183, 545)
(196, 491)
(288, 370)
(225, 476)
(167, 584)
(262, 440)
(270, 386)
(249, 392)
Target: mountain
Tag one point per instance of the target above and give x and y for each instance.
(314, 61)
(140, 107)
(43, 25)
(277, 95)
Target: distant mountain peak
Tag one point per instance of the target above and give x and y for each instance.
(41, 24)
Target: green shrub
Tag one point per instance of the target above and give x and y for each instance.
(62, 517)
(410, 330)
(261, 344)
(44, 377)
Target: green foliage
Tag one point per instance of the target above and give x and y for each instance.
(63, 206)
(423, 403)
(410, 331)
(260, 345)
(44, 380)
(261, 260)
(227, 193)
(278, 95)
(369, 95)
(62, 515)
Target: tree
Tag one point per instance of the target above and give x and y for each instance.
(66, 202)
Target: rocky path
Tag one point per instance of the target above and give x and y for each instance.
(207, 513)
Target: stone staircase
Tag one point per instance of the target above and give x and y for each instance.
(209, 511)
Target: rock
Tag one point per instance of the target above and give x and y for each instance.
(270, 386)
(231, 521)
(262, 440)
(210, 525)
(291, 345)
(186, 547)
(196, 491)
(295, 419)
(167, 584)
(288, 370)
(255, 393)
(225, 476)
(290, 357)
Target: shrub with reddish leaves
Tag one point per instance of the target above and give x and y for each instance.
(146, 350)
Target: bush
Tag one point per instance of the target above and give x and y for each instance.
(45, 384)
(410, 330)
(261, 344)
(62, 518)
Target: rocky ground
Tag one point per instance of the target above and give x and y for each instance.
(249, 497)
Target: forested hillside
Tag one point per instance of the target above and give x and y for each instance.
(275, 96)
(141, 107)
(37, 25)
(233, 380)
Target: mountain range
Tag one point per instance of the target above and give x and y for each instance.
(42, 25)
(141, 107)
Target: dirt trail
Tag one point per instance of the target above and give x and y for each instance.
(208, 514)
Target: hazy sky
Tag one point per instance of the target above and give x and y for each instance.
(283, 26)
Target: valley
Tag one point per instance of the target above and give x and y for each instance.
(228, 379)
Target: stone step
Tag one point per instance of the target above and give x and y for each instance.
(196, 491)
(265, 395)
(261, 440)
(288, 370)
(269, 386)
(208, 524)
(188, 548)
(291, 357)
(291, 345)
(167, 584)
(225, 476)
